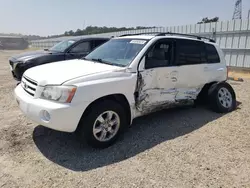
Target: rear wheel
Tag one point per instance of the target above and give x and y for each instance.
(103, 124)
(222, 98)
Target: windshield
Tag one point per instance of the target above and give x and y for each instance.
(62, 46)
(118, 52)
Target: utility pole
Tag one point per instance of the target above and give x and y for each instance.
(238, 10)
(248, 17)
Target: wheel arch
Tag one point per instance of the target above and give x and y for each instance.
(206, 87)
(209, 88)
(119, 98)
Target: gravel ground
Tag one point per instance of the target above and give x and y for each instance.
(188, 147)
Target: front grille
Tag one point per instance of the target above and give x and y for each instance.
(29, 85)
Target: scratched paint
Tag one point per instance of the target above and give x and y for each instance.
(186, 93)
(157, 90)
(152, 94)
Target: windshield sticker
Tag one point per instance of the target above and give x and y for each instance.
(138, 41)
(71, 41)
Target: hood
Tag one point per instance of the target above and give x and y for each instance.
(30, 55)
(62, 71)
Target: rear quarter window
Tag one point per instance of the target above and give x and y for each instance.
(212, 54)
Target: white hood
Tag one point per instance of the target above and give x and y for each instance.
(59, 72)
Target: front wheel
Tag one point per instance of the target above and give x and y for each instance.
(103, 124)
(222, 98)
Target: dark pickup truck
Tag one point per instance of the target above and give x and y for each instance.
(74, 48)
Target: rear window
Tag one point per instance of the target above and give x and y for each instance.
(212, 54)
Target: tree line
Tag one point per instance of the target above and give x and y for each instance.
(96, 30)
(87, 31)
(207, 20)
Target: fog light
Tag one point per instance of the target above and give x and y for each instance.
(45, 115)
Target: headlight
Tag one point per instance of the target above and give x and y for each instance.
(63, 94)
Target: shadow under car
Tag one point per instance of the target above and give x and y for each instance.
(145, 133)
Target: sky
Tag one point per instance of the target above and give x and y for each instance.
(49, 17)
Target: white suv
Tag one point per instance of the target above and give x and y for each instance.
(127, 77)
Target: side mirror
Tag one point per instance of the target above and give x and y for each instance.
(46, 49)
(142, 64)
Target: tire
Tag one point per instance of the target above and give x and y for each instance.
(86, 126)
(222, 98)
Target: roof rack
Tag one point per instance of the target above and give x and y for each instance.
(170, 33)
(155, 33)
(186, 35)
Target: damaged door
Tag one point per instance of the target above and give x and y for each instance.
(190, 60)
(156, 86)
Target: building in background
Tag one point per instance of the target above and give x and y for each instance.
(13, 43)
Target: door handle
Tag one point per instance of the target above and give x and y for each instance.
(174, 79)
(205, 68)
(220, 69)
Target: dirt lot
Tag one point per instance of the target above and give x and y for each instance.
(189, 147)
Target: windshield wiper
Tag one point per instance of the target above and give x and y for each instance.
(99, 60)
(102, 61)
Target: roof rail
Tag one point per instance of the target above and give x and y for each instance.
(155, 33)
(170, 33)
(186, 35)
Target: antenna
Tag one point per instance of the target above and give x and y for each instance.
(237, 10)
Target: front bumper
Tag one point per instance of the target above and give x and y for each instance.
(16, 71)
(63, 117)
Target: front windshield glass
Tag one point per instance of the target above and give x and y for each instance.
(118, 52)
(62, 46)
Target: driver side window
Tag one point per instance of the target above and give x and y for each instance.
(160, 55)
(81, 48)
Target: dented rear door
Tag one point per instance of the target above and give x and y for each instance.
(190, 60)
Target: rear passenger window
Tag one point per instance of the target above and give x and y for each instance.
(212, 54)
(190, 52)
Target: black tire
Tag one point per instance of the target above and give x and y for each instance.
(215, 103)
(85, 127)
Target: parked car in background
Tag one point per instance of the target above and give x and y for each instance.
(129, 76)
(74, 48)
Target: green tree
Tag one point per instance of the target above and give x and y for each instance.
(95, 30)
(207, 20)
